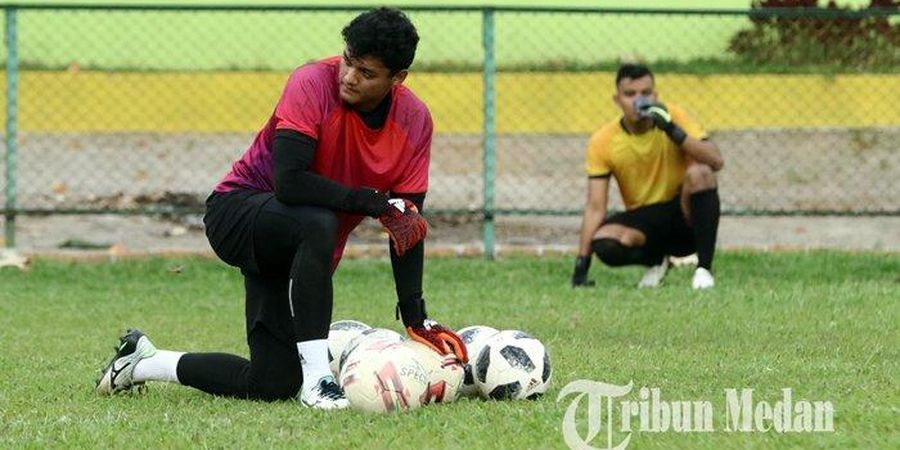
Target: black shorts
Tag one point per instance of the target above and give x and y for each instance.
(230, 218)
(664, 225)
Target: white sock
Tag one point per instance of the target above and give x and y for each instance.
(163, 366)
(313, 361)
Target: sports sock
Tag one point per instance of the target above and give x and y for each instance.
(705, 211)
(163, 366)
(614, 254)
(313, 361)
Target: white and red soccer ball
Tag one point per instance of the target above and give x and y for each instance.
(384, 377)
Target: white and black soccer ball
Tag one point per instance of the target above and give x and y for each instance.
(474, 337)
(512, 365)
(339, 335)
(445, 373)
(373, 337)
(385, 378)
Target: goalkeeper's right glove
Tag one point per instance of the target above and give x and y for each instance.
(579, 277)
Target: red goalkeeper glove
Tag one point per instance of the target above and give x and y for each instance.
(439, 338)
(404, 224)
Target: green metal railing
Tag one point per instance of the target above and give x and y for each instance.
(12, 95)
(490, 70)
(531, 149)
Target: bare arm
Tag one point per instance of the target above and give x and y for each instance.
(705, 151)
(594, 212)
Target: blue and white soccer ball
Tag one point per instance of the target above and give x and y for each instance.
(339, 335)
(512, 365)
(474, 337)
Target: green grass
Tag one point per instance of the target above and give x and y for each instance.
(822, 323)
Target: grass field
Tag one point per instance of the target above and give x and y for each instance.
(822, 323)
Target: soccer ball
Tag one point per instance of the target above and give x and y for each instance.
(339, 335)
(367, 337)
(385, 378)
(512, 365)
(474, 337)
(445, 373)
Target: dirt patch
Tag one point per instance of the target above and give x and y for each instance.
(118, 235)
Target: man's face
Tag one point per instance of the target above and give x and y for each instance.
(631, 88)
(364, 81)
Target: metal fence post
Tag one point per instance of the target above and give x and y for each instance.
(12, 81)
(487, 38)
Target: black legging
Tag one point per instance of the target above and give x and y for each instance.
(292, 247)
(297, 243)
(272, 373)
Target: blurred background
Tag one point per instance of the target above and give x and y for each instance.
(120, 117)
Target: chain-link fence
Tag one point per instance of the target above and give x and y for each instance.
(143, 109)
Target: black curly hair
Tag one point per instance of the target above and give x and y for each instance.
(384, 33)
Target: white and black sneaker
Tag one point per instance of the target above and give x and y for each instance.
(326, 394)
(654, 275)
(117, 376)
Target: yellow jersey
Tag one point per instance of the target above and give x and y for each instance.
(648, 167)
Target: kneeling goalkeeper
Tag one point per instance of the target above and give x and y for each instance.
(346, 140)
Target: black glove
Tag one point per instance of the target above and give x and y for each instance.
(579, 277)
(367, 201)
(661, 117)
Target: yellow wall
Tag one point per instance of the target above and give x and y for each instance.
(526, 102)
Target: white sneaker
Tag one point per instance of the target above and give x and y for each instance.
(703, 279)
(654, 275)
(326, 394)
(119, 373)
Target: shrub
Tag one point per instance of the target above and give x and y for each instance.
(803, 33)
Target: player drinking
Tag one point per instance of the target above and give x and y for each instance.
(664, 165)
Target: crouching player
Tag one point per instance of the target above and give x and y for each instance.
(664, 165)
(346, 140)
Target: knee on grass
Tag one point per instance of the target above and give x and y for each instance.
(273, 390)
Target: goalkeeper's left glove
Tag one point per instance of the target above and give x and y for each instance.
(404, 224)
(580, 275)
(661, 117)
(430, 333)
